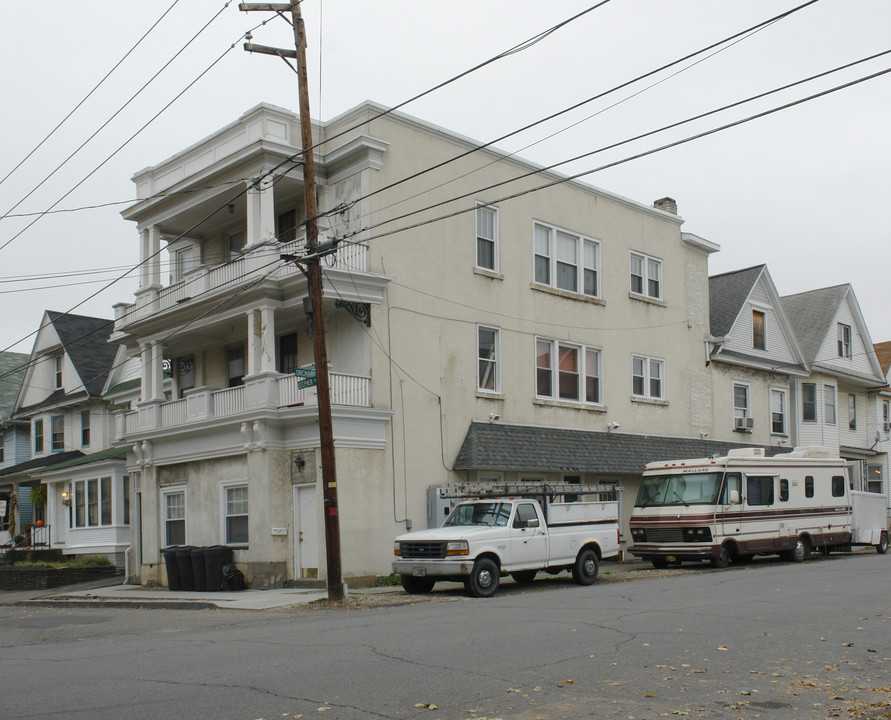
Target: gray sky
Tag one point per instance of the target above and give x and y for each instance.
(803, 190)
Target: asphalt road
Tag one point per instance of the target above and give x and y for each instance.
(767, 640)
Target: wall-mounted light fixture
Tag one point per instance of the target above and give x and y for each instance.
(299, 463)
(66, 497)
(613, 426)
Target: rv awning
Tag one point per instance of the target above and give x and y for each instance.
(501, 446)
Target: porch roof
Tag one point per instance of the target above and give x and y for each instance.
(41, 462)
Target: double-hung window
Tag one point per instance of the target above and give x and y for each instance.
(92, 502)
(235, 514)
(646, 275)
(174, 506)
(852, 411)
(85, 428)
(57, 360)
(742, 420)
(777, 411)
(38, 436)
(487, 238)
(844, 341)
(809, 402)
(759, 341)
(566, 261)
(829, 404)
(567, 372)
(647, 377)
(57, 430)
(488, 356)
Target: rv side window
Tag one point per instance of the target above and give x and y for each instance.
(732, 481)
(809, 486)
(838, 486)
(759, 490)
(784, 490)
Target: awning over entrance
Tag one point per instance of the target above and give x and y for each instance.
(501, 446)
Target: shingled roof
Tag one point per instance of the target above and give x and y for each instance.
(811, 314)
(85, 340)
(500, 446)
(12, 370)
(726, 294)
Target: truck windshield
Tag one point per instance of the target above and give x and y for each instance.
(485, 513)
(686, 489)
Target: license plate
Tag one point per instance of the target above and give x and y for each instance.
(419, 572)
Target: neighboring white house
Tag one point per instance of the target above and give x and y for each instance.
(87, 507)
(879, 469)
(835, 405)
(14, 444)
(754, 359)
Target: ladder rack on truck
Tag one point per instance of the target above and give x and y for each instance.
(548, 490)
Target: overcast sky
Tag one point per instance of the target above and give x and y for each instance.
(803, 190)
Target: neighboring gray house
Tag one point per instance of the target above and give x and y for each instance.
(14, 447)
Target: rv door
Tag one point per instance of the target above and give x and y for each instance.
(731, 505)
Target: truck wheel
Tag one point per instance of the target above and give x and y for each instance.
(417, 585)
(801, 551)
(524, 577)
(584, 572)
(484, 578)
(660, 563)
(722, 560)
(882, 547)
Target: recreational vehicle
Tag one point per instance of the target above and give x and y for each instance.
(731, 508)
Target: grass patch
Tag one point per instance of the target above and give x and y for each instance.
(80, 561)
(386, 581)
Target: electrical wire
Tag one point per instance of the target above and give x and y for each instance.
(87, 96)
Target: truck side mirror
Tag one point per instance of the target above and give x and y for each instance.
(734, 497)
(532, 523)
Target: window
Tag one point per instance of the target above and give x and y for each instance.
(185, 370)
(80, 499)
(174, 503)
(777, 411)
(577, 372)
(646, 276)
(287, 226)
(838, 486)
(58, 370)
(759, 490)
(809, 402)
(733, 481)
(646, 377)
(740, 403)
(236, 515)
(566, 261)
(488, 354)
(844, 341)
(809, 486)
(829, 404)
(235, 363)
(104, 500)
(758, 339)
(236, 243)
(57, 433)
(886, 415)
(525, 513)
(784, 490)
(38, 436)
(852, 412)
(184, 262)
(287, 353)
(487, 238)
(125, 495)
(85, 428)
(2, 455)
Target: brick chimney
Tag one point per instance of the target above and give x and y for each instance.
(666, 204)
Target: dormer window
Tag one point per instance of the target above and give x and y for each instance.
(58, 370)
(844, 341)
(759, 342)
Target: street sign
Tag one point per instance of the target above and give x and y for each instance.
(306, 382)
(305, 372)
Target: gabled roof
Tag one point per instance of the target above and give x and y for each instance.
(726, 295)
(883, 353)
(85, 340)
(501, 446)
(12, 370)
(811, 314)
(101, 456)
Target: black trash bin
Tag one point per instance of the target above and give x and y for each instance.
(184, 560)
(173, 579)
(214, 558)
(198, 569)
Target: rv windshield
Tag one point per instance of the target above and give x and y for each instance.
(686, 489)
(483, 513)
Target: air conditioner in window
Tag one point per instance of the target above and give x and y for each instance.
(743, 423)
(887, 427)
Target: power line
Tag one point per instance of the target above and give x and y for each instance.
(87, 96)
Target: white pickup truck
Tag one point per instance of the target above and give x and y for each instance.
(483, 539)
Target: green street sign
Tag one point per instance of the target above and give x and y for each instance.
(305, 383)
(305, 372)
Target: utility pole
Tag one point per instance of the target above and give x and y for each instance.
(313, 274)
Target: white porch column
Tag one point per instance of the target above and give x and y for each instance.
(157, 372)
(148, 376)
(150, 257)
(260, 211)
(261, 341)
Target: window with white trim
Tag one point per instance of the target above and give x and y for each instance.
(886, 415)
(852, 411)
(759, 340)
(184, 261)
(566, 261)
(808, 402)
(92, 502)
(235, 514)
(487, 238)
(844, 341)
(57, 360)
(646, 275)
(38, 436)
(647, 377)
(488, 359)
(173, 502)
(85, 428)
(57, 433)
(564, 371)
(778, 411)
(828, 404)
(740, 405)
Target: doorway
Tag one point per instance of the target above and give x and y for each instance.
(306, 532)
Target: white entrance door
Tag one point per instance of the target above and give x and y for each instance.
(306, 532)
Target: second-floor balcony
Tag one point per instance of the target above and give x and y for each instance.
(267, 394)
(261, 262)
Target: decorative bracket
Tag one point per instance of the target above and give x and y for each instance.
(359, 311)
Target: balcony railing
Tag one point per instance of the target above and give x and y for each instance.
(205, 404)
(247, 268)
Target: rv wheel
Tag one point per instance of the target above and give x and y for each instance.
(801, 551)
(722, 560)
(882, 547)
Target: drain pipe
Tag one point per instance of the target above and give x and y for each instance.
(127, 565)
